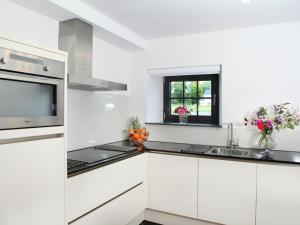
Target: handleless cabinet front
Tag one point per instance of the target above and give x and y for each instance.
(32, 185)
(227, 192)
(278, 195)
(87, 191)
(173, 184)
(119, 211)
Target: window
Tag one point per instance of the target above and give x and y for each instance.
(199, 93)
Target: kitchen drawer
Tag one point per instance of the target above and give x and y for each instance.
(119, 211)
(89, 190)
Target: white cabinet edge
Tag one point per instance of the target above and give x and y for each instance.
(33, 49)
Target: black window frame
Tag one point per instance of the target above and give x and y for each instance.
(215, 98)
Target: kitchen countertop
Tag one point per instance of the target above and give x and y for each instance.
(287, 157)
(276, 156)
(96, 165)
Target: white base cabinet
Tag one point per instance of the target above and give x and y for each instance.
(32, 181)
(173, 184)
(218, 191)
(119, 211)
(227, 192)
(91, 189)
(278, 195)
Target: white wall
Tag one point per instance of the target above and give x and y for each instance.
(260, 67)
(27, 26)
(89, 122)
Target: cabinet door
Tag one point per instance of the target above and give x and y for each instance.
(119, 211)
(173, 184)
(227, 192)
(32, 178)
(89, 190)
(278, 195)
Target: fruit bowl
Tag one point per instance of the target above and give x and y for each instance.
(138, 136)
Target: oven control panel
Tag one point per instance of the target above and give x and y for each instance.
(25, 63)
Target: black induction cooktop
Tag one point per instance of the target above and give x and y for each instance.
(92, 155)
(87, 157)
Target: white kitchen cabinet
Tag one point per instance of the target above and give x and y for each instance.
(91, 189)
(119, 211)
(278, 195)
(227, 192)
(173, 184)
(32, 178)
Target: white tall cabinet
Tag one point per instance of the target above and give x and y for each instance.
(278, 195)
(33, 163)
(173, 184)
(227, 192)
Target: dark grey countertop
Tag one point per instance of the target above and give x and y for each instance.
(96, 165)
(288, 157)
(277, 156)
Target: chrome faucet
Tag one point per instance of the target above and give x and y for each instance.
(232, 143)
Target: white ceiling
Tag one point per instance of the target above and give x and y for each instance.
(163, 18)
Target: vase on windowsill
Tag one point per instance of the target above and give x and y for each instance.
(183, 118)
(183, 114)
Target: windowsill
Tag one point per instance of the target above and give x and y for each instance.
(184, 124)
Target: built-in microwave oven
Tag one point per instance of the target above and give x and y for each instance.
(31, 90)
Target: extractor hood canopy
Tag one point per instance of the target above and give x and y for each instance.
(76, 38)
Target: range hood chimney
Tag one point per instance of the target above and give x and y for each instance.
(76, 38)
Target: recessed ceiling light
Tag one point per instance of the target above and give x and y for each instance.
(246, 1)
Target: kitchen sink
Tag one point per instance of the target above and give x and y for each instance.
(235, 152)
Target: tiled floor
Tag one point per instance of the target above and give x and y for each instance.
(149, 223)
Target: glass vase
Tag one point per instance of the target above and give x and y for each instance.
(267, 142)
(183, 118)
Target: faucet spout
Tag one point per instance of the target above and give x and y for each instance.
(232, 143)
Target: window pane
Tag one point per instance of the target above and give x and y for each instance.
(204, 89)
(177, 89)
(191, 104)
(190, 89)
(204, 108)
(174, 104)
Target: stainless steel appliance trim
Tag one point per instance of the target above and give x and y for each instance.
(26, 63)
(27, 78)
(28, 122)
(31, 138)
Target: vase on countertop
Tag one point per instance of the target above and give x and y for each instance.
(267, 142)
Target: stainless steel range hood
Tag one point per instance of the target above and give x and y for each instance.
(76, 38)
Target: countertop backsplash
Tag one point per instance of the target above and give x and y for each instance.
(96, 118)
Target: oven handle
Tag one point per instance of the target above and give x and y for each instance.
(32, 79)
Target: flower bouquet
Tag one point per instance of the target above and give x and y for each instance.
(281, 117)
(183, 113)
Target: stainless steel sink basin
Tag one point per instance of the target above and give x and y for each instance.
(235, 152)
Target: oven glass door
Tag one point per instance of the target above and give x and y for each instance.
(30, 101)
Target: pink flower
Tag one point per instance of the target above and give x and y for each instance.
(269, 123)
(182, 110)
